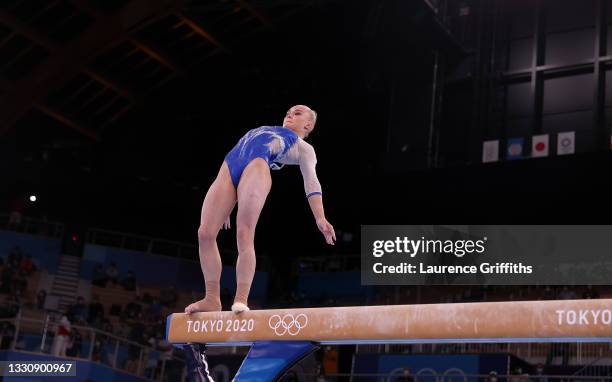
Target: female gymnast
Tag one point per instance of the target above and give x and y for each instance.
(245, 178)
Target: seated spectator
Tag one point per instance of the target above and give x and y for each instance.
(41, 297)
(96, 311)
(27, 266)
(132, 310)
(129, 283)
(99, 353)
(77, 313)
(112, 273)
(98, 276)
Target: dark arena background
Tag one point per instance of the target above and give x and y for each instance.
(115, 116)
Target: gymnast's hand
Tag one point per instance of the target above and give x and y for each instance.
(327, 230)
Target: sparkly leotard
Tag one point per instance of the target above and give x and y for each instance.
(274, 144)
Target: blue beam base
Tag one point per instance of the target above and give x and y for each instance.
(269, 360)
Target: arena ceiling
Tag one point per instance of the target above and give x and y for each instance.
(87, 63)
(109, 108)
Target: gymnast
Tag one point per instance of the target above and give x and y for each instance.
(245, 178)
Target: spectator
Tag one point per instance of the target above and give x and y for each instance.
(492, 376)
(406, 376)
(123, 330)
(165, 349)
(320, 374)
(96, 311)
(590, 292)
(151, 356)
(99, 351)
(41, 297)
(78, 312)
(132, 310)
(330, 361)
(75, 345)
(112, 273)
(516, 376)
(27, 266)
(98, 276)
(154, 312)
(539, 375)
(129, 283)
(62, 336)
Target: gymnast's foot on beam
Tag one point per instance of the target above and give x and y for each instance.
(239, 307)
(204, 305)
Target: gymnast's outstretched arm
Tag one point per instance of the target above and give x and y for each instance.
(308, 162)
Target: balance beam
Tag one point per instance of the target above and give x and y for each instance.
(515, 321)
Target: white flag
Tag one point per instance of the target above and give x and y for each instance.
(566, 143)
(539, 146)
(490, 151)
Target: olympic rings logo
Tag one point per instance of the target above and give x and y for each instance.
(288, 323)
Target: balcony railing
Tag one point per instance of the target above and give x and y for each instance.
(35, 336)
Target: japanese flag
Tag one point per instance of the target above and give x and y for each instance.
(539, 146)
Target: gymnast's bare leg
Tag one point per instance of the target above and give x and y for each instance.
(253, 190)
(218, 204)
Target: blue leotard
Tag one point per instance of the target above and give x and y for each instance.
(267, 142)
